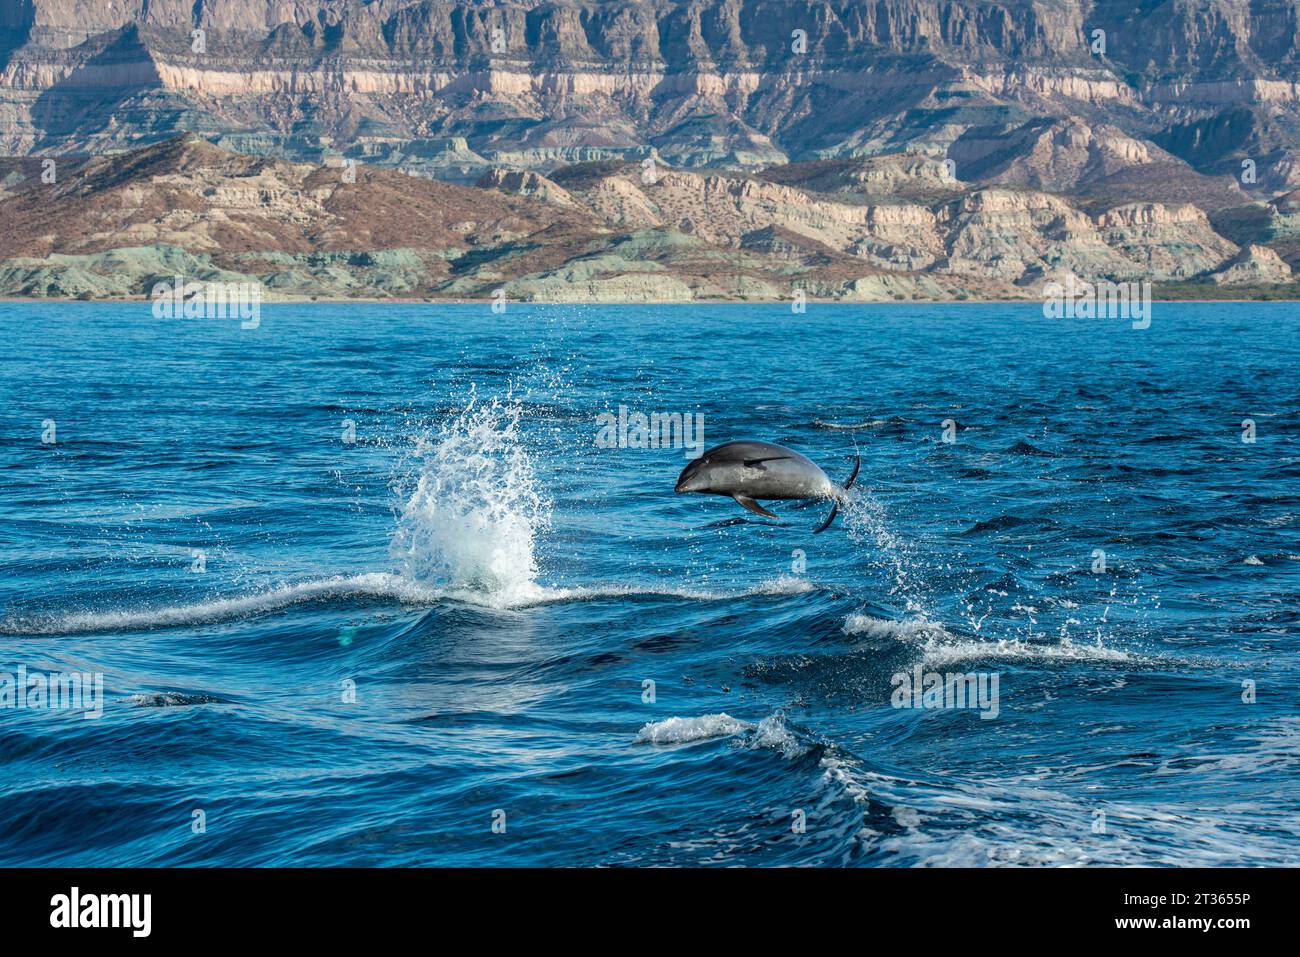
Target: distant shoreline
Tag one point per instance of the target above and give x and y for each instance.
(394, 301)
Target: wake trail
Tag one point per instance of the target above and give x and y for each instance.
(371, 585)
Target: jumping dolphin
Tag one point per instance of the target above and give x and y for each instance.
(747, 471)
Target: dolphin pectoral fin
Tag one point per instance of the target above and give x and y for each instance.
(835, 509)
(744, 501)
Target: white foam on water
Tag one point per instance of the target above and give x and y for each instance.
(975, 823)
(376, 585)
(786, 585)
(769, 733)
(908, 630)
(1015, 649)
(783, 585)
(1006, 822)
(681, 730)
(772, 733)
(1273, 748)
(373, 584)
(840, 792)
(940, 646)
(868, 522)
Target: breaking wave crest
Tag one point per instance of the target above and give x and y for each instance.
(941, 647)
(770, 733)
(682, 730)
(373, 585)
(910, 575)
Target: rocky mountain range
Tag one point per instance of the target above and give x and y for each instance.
(879, 228)
(650, 149)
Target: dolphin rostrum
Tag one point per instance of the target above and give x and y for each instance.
(748, 471)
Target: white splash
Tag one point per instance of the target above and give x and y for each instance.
(866, 522)
(472, 520)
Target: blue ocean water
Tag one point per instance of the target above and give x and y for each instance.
(365, 590)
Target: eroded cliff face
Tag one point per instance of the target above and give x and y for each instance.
(655, 148)
(114, 225)
(454, 87)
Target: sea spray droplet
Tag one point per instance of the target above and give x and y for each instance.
(472, 520)
(867, 524)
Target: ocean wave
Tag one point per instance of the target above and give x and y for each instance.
(838, 776)
(171, 699)
(939, 646)
(849, 426)
(908, 630)
(783, 585)
(1012, 649)
(471, 511)
(769, 733)
(998, 524)
(371, 585)
(1270, 558)
(1024, 448)
(682, 730)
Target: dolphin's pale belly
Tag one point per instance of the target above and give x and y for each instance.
(781, 479)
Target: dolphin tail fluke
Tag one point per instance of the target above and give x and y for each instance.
(857, 464)
(835, 510)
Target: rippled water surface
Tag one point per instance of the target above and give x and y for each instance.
(324, 651)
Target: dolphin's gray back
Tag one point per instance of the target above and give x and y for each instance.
(761, 470)
(745, 451)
